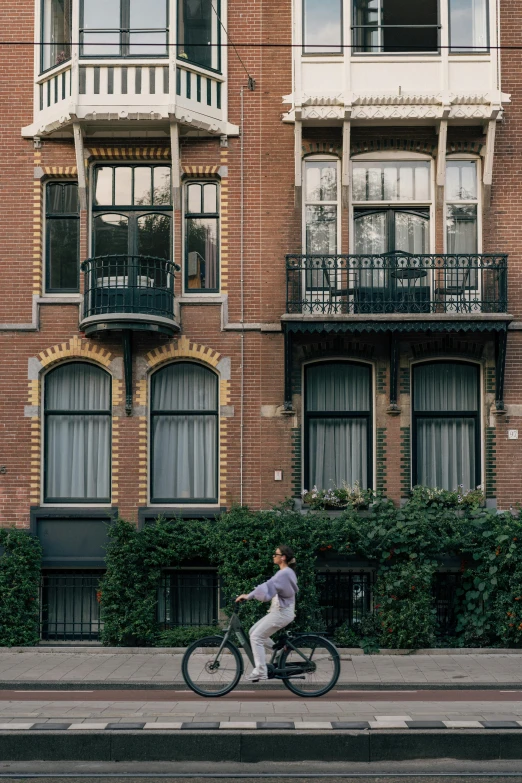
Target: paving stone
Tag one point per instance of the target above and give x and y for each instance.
(500, 724)
(275, 725)
(124, 726)
(200, 725)
(49, 726)
(425, 724)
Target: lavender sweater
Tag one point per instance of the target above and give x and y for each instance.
(283, 584)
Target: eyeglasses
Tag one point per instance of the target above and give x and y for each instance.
(277, 554)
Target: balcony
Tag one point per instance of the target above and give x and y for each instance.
(395, 286)
(123, 292)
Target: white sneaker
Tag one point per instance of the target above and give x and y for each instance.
(255, 677)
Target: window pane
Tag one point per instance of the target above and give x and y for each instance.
(62, 254)
(411, 233)
(338, 452)
(366, 18)
(78, 386)
(194, 199)
(77, 463)
(184, 457)
(123, 185)
(111, 235)
(148, 43)
(444, 386)
(54, 198)
(57, 24)
(101, 14)
(446, 453)
(198, 32)
(321, 230)
(70, 198)
(154, 236)
(142, 185)
(202, 253)
(468, 25)
(322, 26)
(338, 387)
(184, 386)
(162, 186)
(404, 12)
(419, 33)
(391, 181)
(100, 44)
(461, 229)
(371, 236)
(210, 198)
(461, 180)
(103, 185)
(321, 181)
(144, 16)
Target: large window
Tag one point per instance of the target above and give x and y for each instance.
(446, 434)
(123, 28)
(468, 20)
(201, 237)
(322, 26)
(199, 32)
(77, 458)
(395, 26)
(184, 426)
(338, 424)
(62, 237)
(56, 32)
(461, 228)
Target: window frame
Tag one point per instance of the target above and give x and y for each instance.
(476, 415)
(179, 46)
(195, 215)
(124, 32)
(486, 50)
(49, 500)
(337, 203)
(168, 502)
(319, 52)
(369, 415)
(48, 289)
(379, 27)
(43, 70)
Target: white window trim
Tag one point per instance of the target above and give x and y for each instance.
(477, 201)
(336, 203)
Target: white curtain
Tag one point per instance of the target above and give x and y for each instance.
(77, 465)
(338, 447)
(184, 438)
(446, 446)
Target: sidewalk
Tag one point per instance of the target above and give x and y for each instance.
(156, 667)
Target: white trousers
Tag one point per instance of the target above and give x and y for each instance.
(261, 632)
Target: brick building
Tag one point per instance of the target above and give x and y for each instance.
(249, 248)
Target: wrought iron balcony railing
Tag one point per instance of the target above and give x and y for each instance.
(396, 283)
(140, 285)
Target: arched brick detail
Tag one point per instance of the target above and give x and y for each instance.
(184, 349)
(130, 153)
(338, 348)
(469, 147)
(321, 148)
(200, 171)
(76, 347)
(448, 346)
(394, 145)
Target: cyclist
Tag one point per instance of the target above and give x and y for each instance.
(280, 590)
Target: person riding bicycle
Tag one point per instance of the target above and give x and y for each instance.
(280, 590)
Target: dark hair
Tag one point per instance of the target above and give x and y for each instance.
(289, 554)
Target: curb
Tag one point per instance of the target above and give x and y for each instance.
(349, 651)
(123, 685)
(257, 746)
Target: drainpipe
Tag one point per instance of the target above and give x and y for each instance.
(242, 293)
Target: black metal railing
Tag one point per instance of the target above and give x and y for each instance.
(70, 610)
(344, 597)
(129, 284)
(396, 283)
(188, 598)
(444, 591)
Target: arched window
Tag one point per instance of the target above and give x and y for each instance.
(184, 426)
(446, 436)
(77, 410)
(338, 424)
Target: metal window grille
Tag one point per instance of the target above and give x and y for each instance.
(446, 601)
(344, 597)
(188, 598)
(69, 606)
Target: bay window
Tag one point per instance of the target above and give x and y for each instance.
(199, 32)
(123, 28)
(395, 26)
(338, 427)
(56, 32)
(77, 434)
(446, 430)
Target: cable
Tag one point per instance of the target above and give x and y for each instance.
(251, 82)
(248, 45)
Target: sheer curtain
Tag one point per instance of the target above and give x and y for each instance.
(446, 447)
(77, 463)
(338, 445)
(184, 433)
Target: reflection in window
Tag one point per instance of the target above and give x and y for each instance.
(391, 181)
(337, 416)
(77, 409)
(322, 30)
(321, 194)
(56, 32)
(199, 32)
(62, 233)
(123, 28)
(461, 225)
(446, 425)
(126, 186)
(201, 237)
(395, 26)
(184, 430)
(468, 24)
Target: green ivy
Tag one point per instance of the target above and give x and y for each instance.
(20, 562)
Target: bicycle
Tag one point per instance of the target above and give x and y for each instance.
(213, 666)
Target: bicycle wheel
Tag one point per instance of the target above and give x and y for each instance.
(205, 673)
(320, 671)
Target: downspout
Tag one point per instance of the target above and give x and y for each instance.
(242, 292)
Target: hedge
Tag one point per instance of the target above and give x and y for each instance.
(20, 563)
